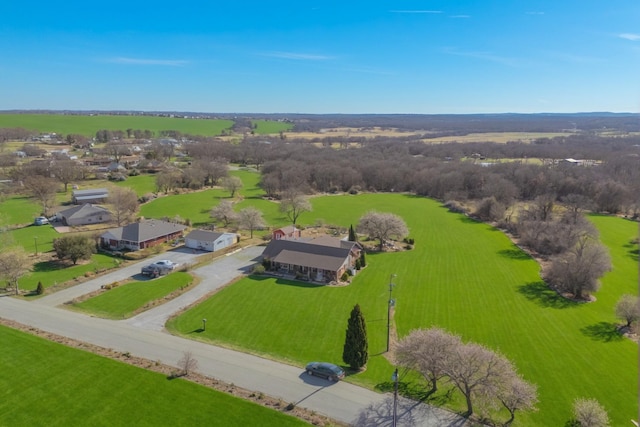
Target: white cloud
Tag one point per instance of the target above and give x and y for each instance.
(417, 11)
(297, 56)
(460, 16)
(629, 36)
(143, 61)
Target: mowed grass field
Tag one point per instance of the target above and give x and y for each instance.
(463, 276)
(122, 301)
(45, 383)
(89, 125)
(265, 127)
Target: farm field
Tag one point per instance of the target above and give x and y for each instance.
(266, 127)
(122, 301)
(463, 276)
(72, 387)
(89, 125)
(500, 137)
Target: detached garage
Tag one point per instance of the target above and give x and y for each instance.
(209, 240)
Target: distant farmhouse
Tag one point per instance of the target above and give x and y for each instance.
(319, 259)
(94, 195)
(84, 215)
(141, 235)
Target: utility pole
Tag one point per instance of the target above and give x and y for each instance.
(395, 397)
(390, 304)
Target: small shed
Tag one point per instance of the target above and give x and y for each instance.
(209, 240)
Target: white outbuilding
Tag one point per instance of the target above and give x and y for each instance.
(209, 240)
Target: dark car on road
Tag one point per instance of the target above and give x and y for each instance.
(325, 370)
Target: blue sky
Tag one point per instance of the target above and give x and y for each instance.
(322, 57)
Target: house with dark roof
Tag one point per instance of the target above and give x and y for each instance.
(84, 215)
(209, 240)
(94, 195)
(321, 259)
(141, 235)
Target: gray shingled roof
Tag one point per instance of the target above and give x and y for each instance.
(144, 230)
(308, 253)
(82, 211)
(203, 235)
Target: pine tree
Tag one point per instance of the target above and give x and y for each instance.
(356, 348)
(363, 261)
(40, 289)
(352, 234)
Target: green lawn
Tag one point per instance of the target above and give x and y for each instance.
(141, 184)
(123, 301)
(52, 273)
(45, 383)
(264, 127)
(19, 210)
(89, 125)
(197, 206)
(463, 276)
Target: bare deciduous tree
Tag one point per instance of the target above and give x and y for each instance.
(578, 270)
(124, 204)
(14, 263)
(589, 413)
(382, 226)
(168, 180)
(224, 212)
(250, 219)
(232, 184)
(66, 171)
(187, 363)
(426, 351)
(42, 189)
(628, 308)
(516, 394)
(293, 204)
(476, 370)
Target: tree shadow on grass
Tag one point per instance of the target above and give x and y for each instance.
(515, 254)
(602, 331)
(544, 296)
(48, 266)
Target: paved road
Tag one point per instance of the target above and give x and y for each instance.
(143, 336)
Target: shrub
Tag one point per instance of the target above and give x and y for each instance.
(258, 269)
(345, 276)
(40, 289)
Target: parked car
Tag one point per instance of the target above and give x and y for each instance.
(155, 270)
(41, 220)
(326, 370)
(165, 263)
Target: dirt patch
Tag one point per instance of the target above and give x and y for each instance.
(172, 372)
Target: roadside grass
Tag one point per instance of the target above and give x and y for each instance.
(264, 127)
(89, 125)
(54, 385)
(463, 276)
(51, 273)
(31, 236)
(122, 301)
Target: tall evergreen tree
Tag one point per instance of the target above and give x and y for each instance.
(352, 234)
(356, 347)
(363, 261)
